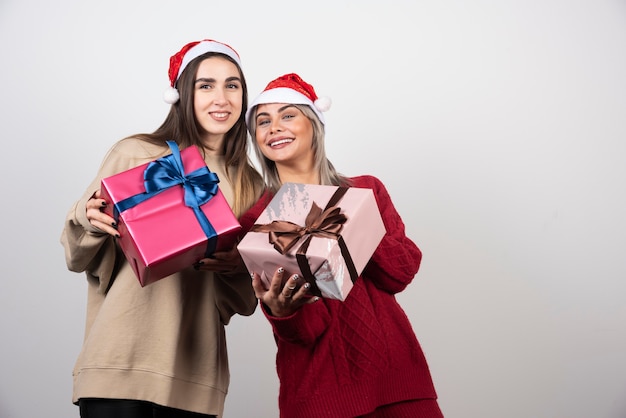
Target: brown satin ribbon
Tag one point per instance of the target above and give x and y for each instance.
(327, 223)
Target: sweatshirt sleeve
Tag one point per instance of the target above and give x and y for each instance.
(236, 295)
(236, 289)
(87, 248)
(396, 260)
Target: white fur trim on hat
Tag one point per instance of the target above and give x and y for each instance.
(283, 95)
(204, 47)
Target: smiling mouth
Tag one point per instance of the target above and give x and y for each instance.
(280, 142)
(220, 114)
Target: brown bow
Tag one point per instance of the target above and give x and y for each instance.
(283, 235)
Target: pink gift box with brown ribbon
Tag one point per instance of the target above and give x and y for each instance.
(326, 234)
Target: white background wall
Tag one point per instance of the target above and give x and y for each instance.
(499, 127)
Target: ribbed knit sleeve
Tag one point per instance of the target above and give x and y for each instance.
(343, 359)
(304, 326)
(396, 261)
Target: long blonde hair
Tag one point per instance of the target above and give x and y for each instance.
(328, 175)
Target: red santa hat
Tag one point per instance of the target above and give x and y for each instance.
(290, 88)
(180, 60)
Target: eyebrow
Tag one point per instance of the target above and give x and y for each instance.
(212, 80)
(279, 110)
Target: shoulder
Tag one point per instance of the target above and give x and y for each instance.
(366, 181)
(250, 216)
(375, 184)
(130, 152)
(137, 148)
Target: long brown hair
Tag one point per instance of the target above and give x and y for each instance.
(181, 126)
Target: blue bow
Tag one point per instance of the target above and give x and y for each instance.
(166, 172)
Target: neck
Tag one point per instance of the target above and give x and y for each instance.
(288, 174)
(213, 144)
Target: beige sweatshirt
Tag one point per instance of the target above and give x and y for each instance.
(163, 343)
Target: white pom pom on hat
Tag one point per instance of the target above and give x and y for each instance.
(290, 88)
(192, 50)
(323, 104)
(170, 95)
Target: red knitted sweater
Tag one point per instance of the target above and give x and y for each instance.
(343, 359)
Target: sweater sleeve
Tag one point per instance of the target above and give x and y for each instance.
(396, 260)
(87, 248)
(309, 322)
(304, 326)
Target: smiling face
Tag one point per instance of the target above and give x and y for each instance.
(285, 135)
(218, 99)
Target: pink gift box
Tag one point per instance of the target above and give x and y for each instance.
(339, 244)
(161, 235)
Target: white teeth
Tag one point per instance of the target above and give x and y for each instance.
(220, 115)
(280, 142)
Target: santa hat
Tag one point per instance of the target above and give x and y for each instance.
(290, 88)
(180, 60)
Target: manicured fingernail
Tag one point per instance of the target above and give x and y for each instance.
(104, 203)
(281, 270)
(114, 224)
(294, 277)
(316, 298)
(307, 285)
(117, 235)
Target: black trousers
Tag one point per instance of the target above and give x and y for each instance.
(126, 408)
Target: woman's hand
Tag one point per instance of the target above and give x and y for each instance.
(283, 298)
(94, 211)
(223, 262)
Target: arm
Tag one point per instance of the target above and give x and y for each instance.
(235, 295)
(232, 277)
(396, 260)
(230, 262)
(88, 241)
(88, 248)
(295, 315)
(304, 326)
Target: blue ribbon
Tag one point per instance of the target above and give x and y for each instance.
(166, 172)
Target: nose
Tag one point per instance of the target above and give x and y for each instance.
(275, 126)
(219, 96)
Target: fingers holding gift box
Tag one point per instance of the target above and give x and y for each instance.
(229, 262)
(325, 234)
(170, 213)
(95, 212)
(283, 297)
